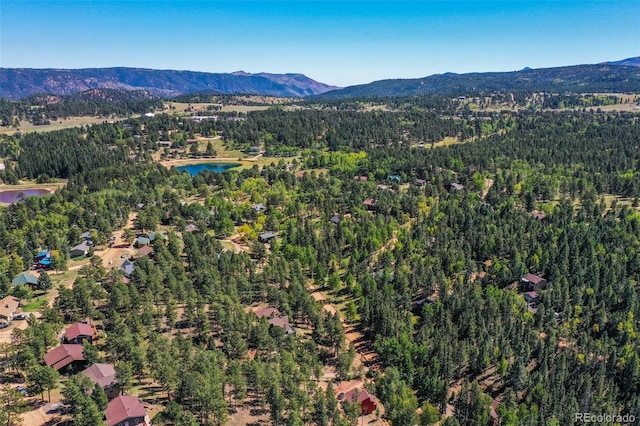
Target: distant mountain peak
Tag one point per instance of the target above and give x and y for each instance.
(629, 62)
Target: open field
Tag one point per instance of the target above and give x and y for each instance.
(67, 123)
(225, 156)
(52, 187)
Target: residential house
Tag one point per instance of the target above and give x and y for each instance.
(259, 207)
(80, 250)
(8, 307)
(25, 279)
(456, 186)
(361, 396)
(126, 411)
(266, 237)
(142, 241)
(530, 296)
(283, 323)
(146, 251)
(531, 282)
(191, 228)
(127, 267)
(361, 178)
(370, 204)
(79, 333)
(42, 255)
(66, 357)
(538, 215)
(105, 376)
(268, 312)
(43, 259)
(421, 182)
(86, 236)
(335, 220)
(394, 178)
(164, 144)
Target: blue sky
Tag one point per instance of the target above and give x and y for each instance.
(339, 43)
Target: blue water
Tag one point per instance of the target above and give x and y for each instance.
(194, 169)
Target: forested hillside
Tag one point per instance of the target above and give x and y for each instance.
(578, 79)
(415, 223)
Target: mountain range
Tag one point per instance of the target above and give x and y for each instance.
(611, 77)
(17, 83)
(615, 76)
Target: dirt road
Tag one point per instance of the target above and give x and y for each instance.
(365, 355)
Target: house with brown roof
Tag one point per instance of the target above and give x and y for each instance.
(360, 396)
(79, 333)
(530, 296)
(370, 204)
(146, 251)
(8, 307)
(268, 312)
(283, 323)
(531, 282)
(68, 357)
(126, 411)
(105, 376)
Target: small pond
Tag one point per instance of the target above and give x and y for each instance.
(11, 195)
(194, 169)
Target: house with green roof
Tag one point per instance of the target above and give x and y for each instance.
(25, 278)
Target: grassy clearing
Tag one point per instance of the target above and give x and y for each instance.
(34, 305)
(448, 140)
(32, 185)
(65, 123)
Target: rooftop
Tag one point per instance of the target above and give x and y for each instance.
(123, 408)
(102, 374)
(8, 306)
(63, 355)
(79, 329)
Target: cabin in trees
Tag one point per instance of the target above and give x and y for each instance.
(8, 307)
(530, 296)
(361, 178)
(191, 228)
(127, 268)
(43, 260)
(80, 250)
(335, 219)
(456, 186)
(105, 376)
(142, 241)
(268, 312)
(126, 411)
(370, 204)
(394, 178)
(266, 237)
(538, 215)
(79, 333)
(366, 401)
(66, 358)
(283, 323)
(259, 207)
(25, 279)
(146, 251)
(421, 182)
(531, 282)
(275, 318)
